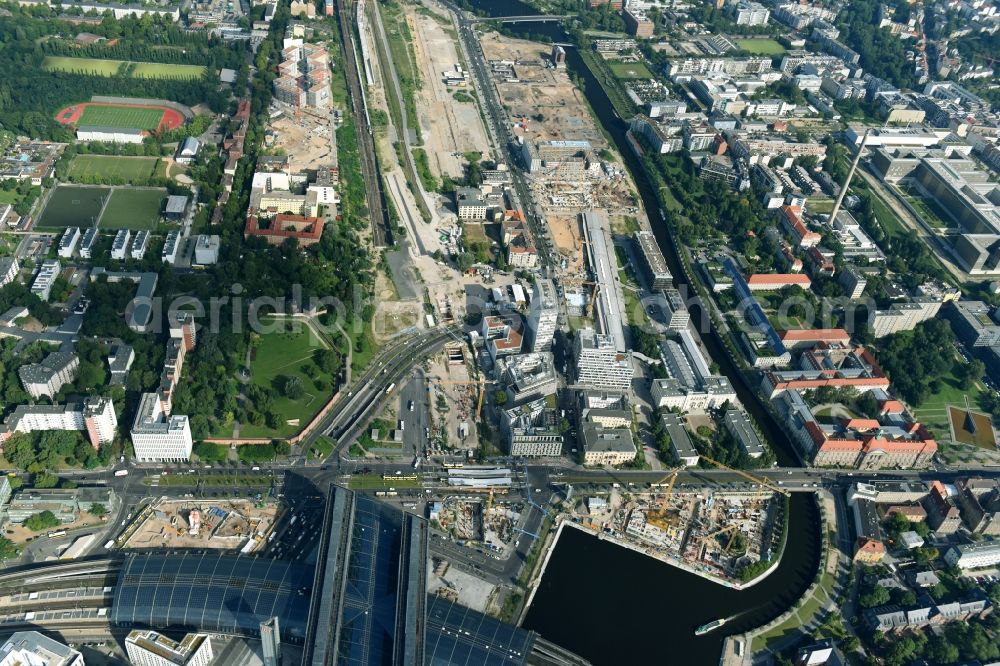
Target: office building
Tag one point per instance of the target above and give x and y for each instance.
(30, 648)
(599, 364)
(543, 317)
(902, 316)
(974, 555)
(206, 249)
(149, 648)
(527, 377)
(303, 75)
(606, 446)
(854, 282)
(48, 377)
(45, 278)
(470, 204)
(974, 324)
(680, 441)
(158, 436)
(654, 266)
(119, 362)
(675, 312)
(690, 385)
(739, 426)
(637, 23)
(532, 429)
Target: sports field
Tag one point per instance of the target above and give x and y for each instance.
(104, 166)
(630, 70)
(103, 67)
(136, 117)
(70, 205)
(760, 46)
(134, 208)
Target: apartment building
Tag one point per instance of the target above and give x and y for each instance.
(532, 429)
(50, 375)
(902, 316)
(45, 278)
(95, 416)
(653, 264)
(527, 377)
(9, 269)
(119, 247)
(749, 13)
(67, 244)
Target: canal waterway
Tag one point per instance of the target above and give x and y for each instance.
(610, 604)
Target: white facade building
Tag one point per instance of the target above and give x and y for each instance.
(157, 436)
(599, 364)
(544, 315)
(149, 648)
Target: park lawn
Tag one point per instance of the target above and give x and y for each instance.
(133, 117)
(107, 166)
(9, 197)
(628, 71)
(760, 46)
(134, 209)
(70, 205)
(933, 412)
(821, 205)
(277, 357)
(107, 67)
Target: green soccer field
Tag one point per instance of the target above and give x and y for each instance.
(85, 167)
(760, 46)
(134, 117)
(71, 206)
(157, 70)
(630, 70)
(134, 209)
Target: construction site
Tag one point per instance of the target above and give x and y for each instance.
(484, 522)
(224, 525)
(709, 531)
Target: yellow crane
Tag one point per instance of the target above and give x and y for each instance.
(762, 480)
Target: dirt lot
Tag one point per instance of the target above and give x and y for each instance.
(447, 125)
(223, 524)
(542, 90)
(308, 145)
(566, 235)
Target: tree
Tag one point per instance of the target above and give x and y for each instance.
(971, 373)
(282, 447)
(925, 554)
(96, 509)
(42, 521)
(500, 398)
(43, 480)
(879, 596)
(293, 388)
(8, 549)
(941, 651)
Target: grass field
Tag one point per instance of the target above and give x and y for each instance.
(630, 70)
(104, 166)
(102, 67)
(933, 412)
(122, 116)
(69, 205)
(278, 357)
(761, 46)
(134, 209)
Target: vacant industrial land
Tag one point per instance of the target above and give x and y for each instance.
(449, 126)
(550, 105)
(134, 208)
(86, 167)
(71, 205)
(103, 67)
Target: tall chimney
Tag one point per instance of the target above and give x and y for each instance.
(847, 180)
